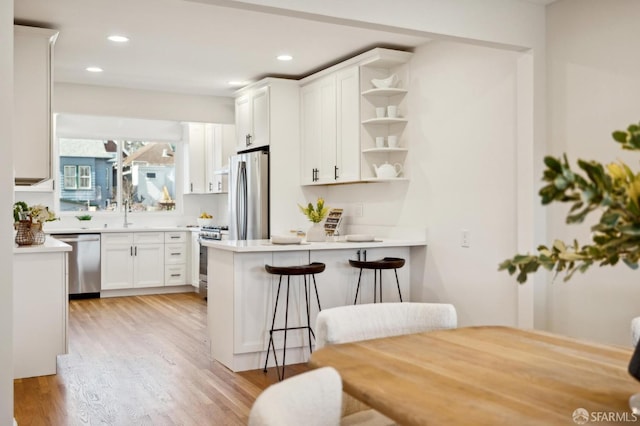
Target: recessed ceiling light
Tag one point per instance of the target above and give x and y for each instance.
(118, 38)
(285, 57)
(94, 69)
(238, 83)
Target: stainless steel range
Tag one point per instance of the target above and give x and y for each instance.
(207, 233)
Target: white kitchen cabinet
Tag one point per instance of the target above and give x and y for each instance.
(32, 134)
(132, 260)
(40, 301)
(330, 128)
(176, 257)
(208, 149)
(252, 118)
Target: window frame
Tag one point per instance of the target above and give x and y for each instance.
(67, 178)
(80, 177)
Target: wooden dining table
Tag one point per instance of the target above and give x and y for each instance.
(490, 375)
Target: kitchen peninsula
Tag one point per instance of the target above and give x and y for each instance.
(242, 294)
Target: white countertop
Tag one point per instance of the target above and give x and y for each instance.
(50, 245)
(97, 230)
(266, 245)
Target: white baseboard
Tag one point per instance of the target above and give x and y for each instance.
(188, 288)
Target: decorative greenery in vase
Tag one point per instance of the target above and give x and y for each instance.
(613, 190)
(317, 213)
(37, 213)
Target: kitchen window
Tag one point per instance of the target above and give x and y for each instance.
(98, 175)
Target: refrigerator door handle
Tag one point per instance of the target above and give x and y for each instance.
(241, 200)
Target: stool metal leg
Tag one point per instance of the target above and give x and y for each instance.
(316, 288)
(306, 299)
(286, 325)
(398, 284)
(273, 322)
(355, 300)
(380, 285)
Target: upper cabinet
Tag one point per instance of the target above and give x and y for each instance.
(351, 130)
(252, 119)
(208, 147)
(32, 134)
(330, 128)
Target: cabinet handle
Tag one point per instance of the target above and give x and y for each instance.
(365, 255)
(175, 275)
(335, 172)
(176, 254)
(175, 237)
(191, 187)
(358, 253)
(247, 139)
(135, 252)
(219, 186)
(131, 251)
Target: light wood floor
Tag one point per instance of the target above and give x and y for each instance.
(140, 361)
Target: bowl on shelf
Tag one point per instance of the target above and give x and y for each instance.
(204, 222)
(385, 83)
(84, 217)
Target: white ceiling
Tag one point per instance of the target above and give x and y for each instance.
(190, 47)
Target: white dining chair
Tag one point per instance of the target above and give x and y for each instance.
(313, 398)
(351, 323)
(635, 331)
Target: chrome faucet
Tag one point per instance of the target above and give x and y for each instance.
(126, 211)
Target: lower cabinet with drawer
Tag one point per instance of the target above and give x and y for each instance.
(144, 259)
(175, 258)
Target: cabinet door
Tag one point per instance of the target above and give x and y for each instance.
(348, 125)
(244, 128)
(260, 117)
(213, 154)
(195, 178)
(148, 267)
(318, 101)
(327, 118)
(32, 157)
(310, 122)
(117, 265)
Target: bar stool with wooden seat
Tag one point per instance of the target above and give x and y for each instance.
(377, 266)
(306, 271)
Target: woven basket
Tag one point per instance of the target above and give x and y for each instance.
(24, 236)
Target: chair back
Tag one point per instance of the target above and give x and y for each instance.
(313, 398)
(345, 324)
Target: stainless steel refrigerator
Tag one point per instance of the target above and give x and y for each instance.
(249, 196)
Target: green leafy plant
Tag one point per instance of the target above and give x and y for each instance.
(37, 213)
(84, 217)
(317, 213)
(612, 190)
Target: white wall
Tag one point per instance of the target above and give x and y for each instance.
(6, 231)
(518, 23)
(593, 89)
(116, 102)
(461, 165)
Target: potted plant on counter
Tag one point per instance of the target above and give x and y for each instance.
(29, 221)
(316, 215)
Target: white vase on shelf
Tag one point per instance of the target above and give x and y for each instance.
(316, 233)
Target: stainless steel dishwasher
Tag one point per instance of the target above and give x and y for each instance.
(84, 264)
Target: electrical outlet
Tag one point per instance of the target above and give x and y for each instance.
(465, 238)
